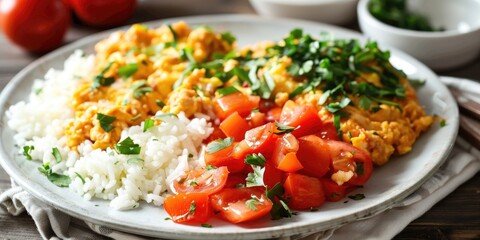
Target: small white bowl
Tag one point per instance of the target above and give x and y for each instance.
(457, 45)
(338, 12)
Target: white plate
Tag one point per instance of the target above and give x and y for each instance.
(388, 184)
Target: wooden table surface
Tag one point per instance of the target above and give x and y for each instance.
(455, 217)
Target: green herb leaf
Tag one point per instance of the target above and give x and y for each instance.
(160, 103)
(218, 145)
(174, 34)
(228, 37)
(27, 150)
(252, 202)
(135, 161)
(227, 90)
(193, 208)
(57, 179)
(140, 88)
(255, 178)
(193, 184)
(358, 196)
(148, 124)
(80, 176)
(106, 121)
(128, 147)
(127, 70)
(283, 129)
(360, 170)
(56, 154)
(336, 123)
(364, 102)
(101, 80)
(443, 123)
(255, 159)
(206, 225)
(210, 167)
(279, 209)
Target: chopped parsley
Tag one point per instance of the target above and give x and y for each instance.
(174, 34)
(101, 80)
(255, 159)
(210, 167)
(218, 145)
(356, 197)
(140, 88)
(160, 103)
(106, 121)
(127, 147)
(443, 123)
(227, 90)
(360, 170)
(80, 176)
(56, 154)
(255, 178)
(279, 208)
(57, 179)
(148, 124)
(206, 225)
(27, 150)
(193, 208)
(127, 70)
(193, 184)
(228, 37)
(252, 202)
(283, 129)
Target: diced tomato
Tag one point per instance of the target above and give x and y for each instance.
(314, 155)
(234, 179)
(303, 192)
(266, 105)
(216, 134)
(235, 102)
(348, 158)
(328, 132)
(241, 204)
(202, 180)
(225, 158)
(261, 139)
(188, 207)
(257, 119)
(284, 155)
(241, 150)
(234, 126)
(303, 117)
(274, 114)
(272, 176)
(333, 191)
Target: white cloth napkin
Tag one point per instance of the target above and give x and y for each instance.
(462, 164)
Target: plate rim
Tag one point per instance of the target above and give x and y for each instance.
(266, 232)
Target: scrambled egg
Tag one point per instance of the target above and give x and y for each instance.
(163, 81)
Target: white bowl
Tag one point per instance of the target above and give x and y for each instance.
(457, 45)
(338, 12)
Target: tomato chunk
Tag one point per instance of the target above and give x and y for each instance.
(314, 155)
(257, 119)
(202, 180)
(355, 164)
(261, 139)
(235, 126)
(188, 207)
(225, 158)
(303, 117)
(241, 204)
(333, 191)
(235, 102)
(272, 176)
(328, 131)
(284, 155)
(303, 192)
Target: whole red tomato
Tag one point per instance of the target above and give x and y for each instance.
(35, 25)
(103, 13)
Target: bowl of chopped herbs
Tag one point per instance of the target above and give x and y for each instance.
(443, 34)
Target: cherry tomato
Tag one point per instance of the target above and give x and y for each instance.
(202, 180)
(333, 191)
(328, 132)
(303, 192)
(241, 204)
(235, 179)
(103, 13)
(348, 158)
(35, 25)
(225, 158)
(314, 155)
(235, 102)
(303, 117)
(234, 126)
(284, 155)
(261, 139)
(188, 207)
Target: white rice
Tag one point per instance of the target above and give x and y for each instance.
(165, 149)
